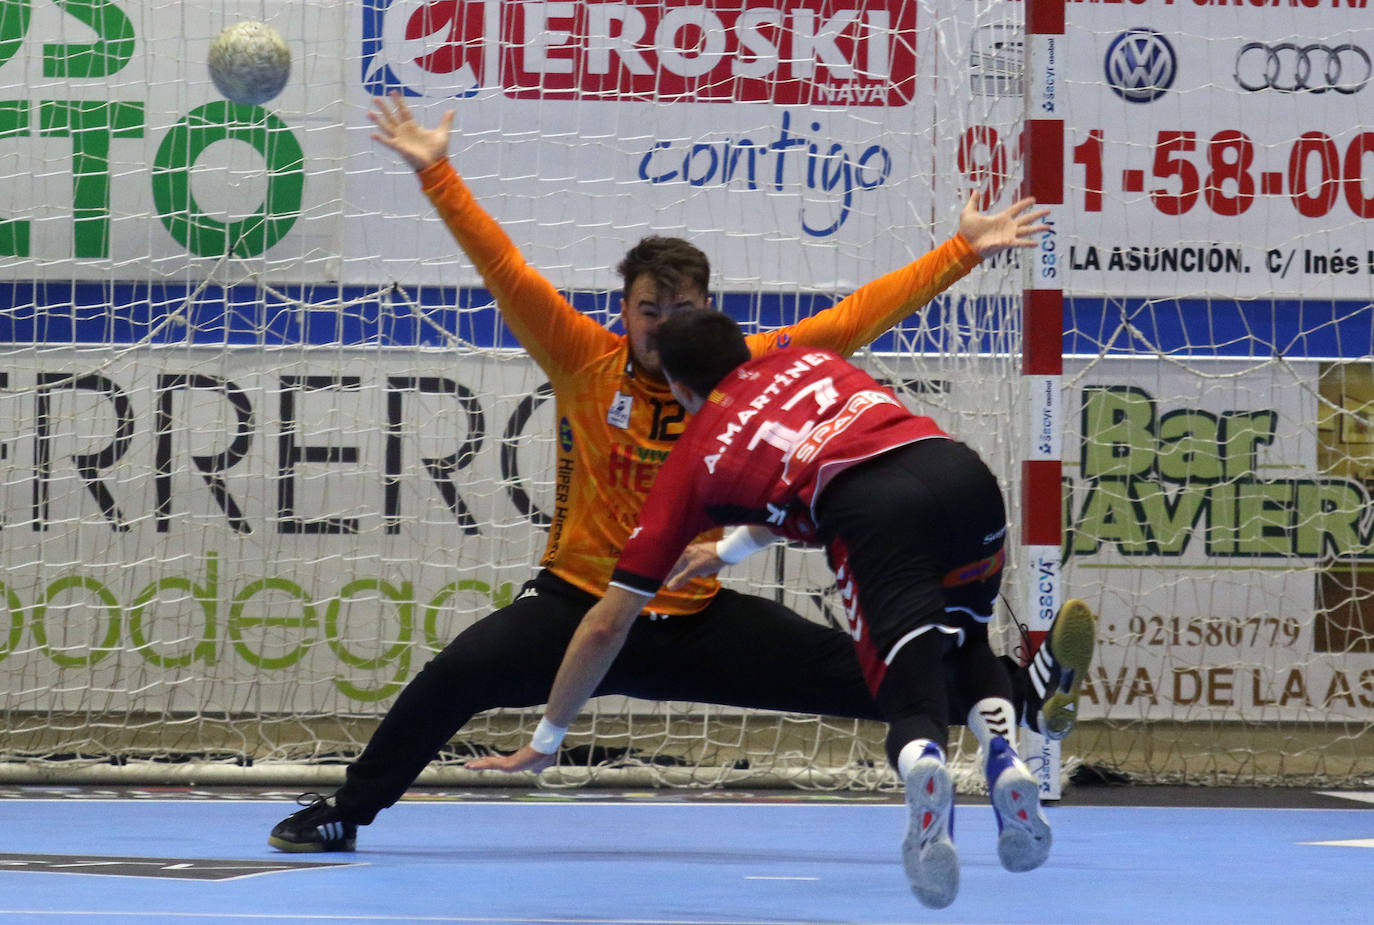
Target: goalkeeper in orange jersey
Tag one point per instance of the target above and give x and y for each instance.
(701, 642)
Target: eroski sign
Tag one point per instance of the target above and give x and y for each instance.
(801, 52)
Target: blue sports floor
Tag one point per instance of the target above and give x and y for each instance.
(634, 858)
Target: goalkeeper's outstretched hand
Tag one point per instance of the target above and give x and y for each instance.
(1014, 226)
(420, 147)
(526, 759)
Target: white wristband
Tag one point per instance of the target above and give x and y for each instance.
(547, 737)
(737, 545)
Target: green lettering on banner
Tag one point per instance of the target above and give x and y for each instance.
(1188, 447)
(398, 652)
(1118, 427)
(1153, 481)
(14, 123)
(1110, 515)
(14, 24)
(1265, 515)
(206, 596)
(108, 55)
(499, 597)
(238, 622)
(1223, 531)
(1329, 516)
(1170, 520)
(16, 609)
(91, 124)
(176, 206)
(40, 629)
(1243, 432)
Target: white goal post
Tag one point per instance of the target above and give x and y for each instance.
(264, 445)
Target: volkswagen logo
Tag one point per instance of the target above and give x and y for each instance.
(1140, 65)
(1289, 67)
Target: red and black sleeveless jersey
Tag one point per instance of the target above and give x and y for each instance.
(761, 451)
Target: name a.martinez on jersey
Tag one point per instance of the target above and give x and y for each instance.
(781, 380)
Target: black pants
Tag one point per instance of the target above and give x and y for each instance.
(902, 526)
(741, 650)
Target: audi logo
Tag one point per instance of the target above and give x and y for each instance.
(1291, 68)
(1140, 65)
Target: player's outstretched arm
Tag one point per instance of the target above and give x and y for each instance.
(990, 234)
(558, 337)
(708, 558)
(876, 306)
(420, 147)
(696, 560)
(593, 647)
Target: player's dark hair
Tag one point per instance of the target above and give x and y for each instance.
(698, 347)
(672, 263)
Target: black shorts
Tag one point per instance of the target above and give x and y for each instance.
(915, 537)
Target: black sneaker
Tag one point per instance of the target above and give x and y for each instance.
(1058, 669)
(318, 827)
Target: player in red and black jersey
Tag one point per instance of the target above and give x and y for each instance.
(804, 444)
(719, 646)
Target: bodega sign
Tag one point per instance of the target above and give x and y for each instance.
(265, 515)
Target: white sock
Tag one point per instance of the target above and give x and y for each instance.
(992, 716)
(911, 753)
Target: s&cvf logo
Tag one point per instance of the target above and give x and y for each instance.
(423, 47)
(1140, 65)
(794, 52)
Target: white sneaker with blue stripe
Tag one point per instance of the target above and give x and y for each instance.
(928, 852)
(1023, 832)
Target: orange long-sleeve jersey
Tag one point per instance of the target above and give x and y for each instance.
(615, 428)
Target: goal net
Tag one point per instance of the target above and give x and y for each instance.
(1219, 273)
(266, 446)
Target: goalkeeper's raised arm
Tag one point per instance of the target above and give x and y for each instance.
(1015, 226)
(557, 336)
(418, 146)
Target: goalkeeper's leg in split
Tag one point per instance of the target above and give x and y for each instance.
(508, 659)
(1053, 677)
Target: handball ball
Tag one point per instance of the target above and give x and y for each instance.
(249, 63)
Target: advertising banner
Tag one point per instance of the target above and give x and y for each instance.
(771, 133)
(1219, 149)
(223, 457)
(280, 529)
(1224, 541)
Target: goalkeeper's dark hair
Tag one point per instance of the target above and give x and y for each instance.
(698, 347)
(672, 263)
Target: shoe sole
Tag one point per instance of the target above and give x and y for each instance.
(933, 871)
(1075, 634)
(294, 847)
(1024, 842)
